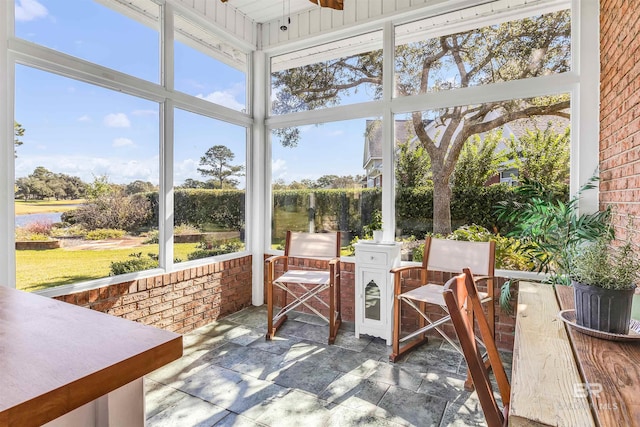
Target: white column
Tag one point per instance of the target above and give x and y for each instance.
(165, 193)
(258, 224)
(7, 163)
(388, 136)
(585, 101)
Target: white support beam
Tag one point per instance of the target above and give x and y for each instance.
(585, 102)
(7, 164)
(258, 186)
(388, 137)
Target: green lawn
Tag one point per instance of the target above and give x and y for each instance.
(44, 206)
(49, 268)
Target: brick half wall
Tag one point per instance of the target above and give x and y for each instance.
(620, 111)
(181, 301)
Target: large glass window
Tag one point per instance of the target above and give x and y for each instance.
(210, 180)
(344, 72)
(451, 163)
(428, 61)
(87, 173)
(208, 67)
(320, 182)
(125, 38)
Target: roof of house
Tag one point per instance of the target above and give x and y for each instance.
(373, 138)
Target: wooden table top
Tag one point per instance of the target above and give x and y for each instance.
(615, 366)
(56, 357)
(544, 372)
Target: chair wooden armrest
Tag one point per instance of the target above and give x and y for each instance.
(275, 258)
(405, 268)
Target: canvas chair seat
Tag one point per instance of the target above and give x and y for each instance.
(447, 256)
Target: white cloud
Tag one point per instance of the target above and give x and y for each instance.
(279, 167)
(224, 98)
(29, 10)
(119, 170)
(122, 142)
(84, 118)
(117, 120)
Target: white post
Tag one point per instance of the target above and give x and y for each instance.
(259, 226)
(585, 102)
(7, 163)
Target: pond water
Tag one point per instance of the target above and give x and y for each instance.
(22, 220)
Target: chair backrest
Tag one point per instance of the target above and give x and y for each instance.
(461, 296)
(454, 255)
(312, 245)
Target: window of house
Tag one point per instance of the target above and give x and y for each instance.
(343, 72)
(124, 38)
(210, 186)
(208, 67)
(319, 179)
(87, 175)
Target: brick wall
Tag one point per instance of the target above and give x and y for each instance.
(181, 301)
(620, 110)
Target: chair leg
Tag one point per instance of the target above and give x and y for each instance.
(335, 316)
(468, 383)
(398, 350)
(395, 351)
(270, 330)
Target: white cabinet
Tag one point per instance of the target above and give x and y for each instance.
(374, 288)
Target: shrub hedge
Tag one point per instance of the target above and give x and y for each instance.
(348, 210)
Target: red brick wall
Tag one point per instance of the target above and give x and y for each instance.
(505, 322)
(620, 110)
(181, 301)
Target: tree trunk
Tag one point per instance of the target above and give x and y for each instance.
(441, 206)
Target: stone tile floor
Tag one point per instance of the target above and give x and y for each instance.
(231, 376)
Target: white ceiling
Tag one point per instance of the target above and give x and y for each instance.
(268, 10)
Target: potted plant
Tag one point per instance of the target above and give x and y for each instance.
(374, 228)
(604, 278)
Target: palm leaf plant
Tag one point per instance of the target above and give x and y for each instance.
(551, 231)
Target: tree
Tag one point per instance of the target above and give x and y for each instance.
(479, 160)
(335, 181)
(514, 50)
(18, 132)
(218, 161)
(543, 156)
(99, 187)
(42, 184)
(139, 186)
(413, 167)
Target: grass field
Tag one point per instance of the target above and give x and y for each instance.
(49, 268)
(45, 206)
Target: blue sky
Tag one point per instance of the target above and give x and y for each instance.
(85, 130)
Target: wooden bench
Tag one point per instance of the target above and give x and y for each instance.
(546, 387)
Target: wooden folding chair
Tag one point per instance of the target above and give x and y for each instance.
(464, 303)
(306, 286)
(441, 255)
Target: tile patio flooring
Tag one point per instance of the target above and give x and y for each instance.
(231, 376)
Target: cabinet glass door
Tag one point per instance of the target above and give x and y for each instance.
(372, 301)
